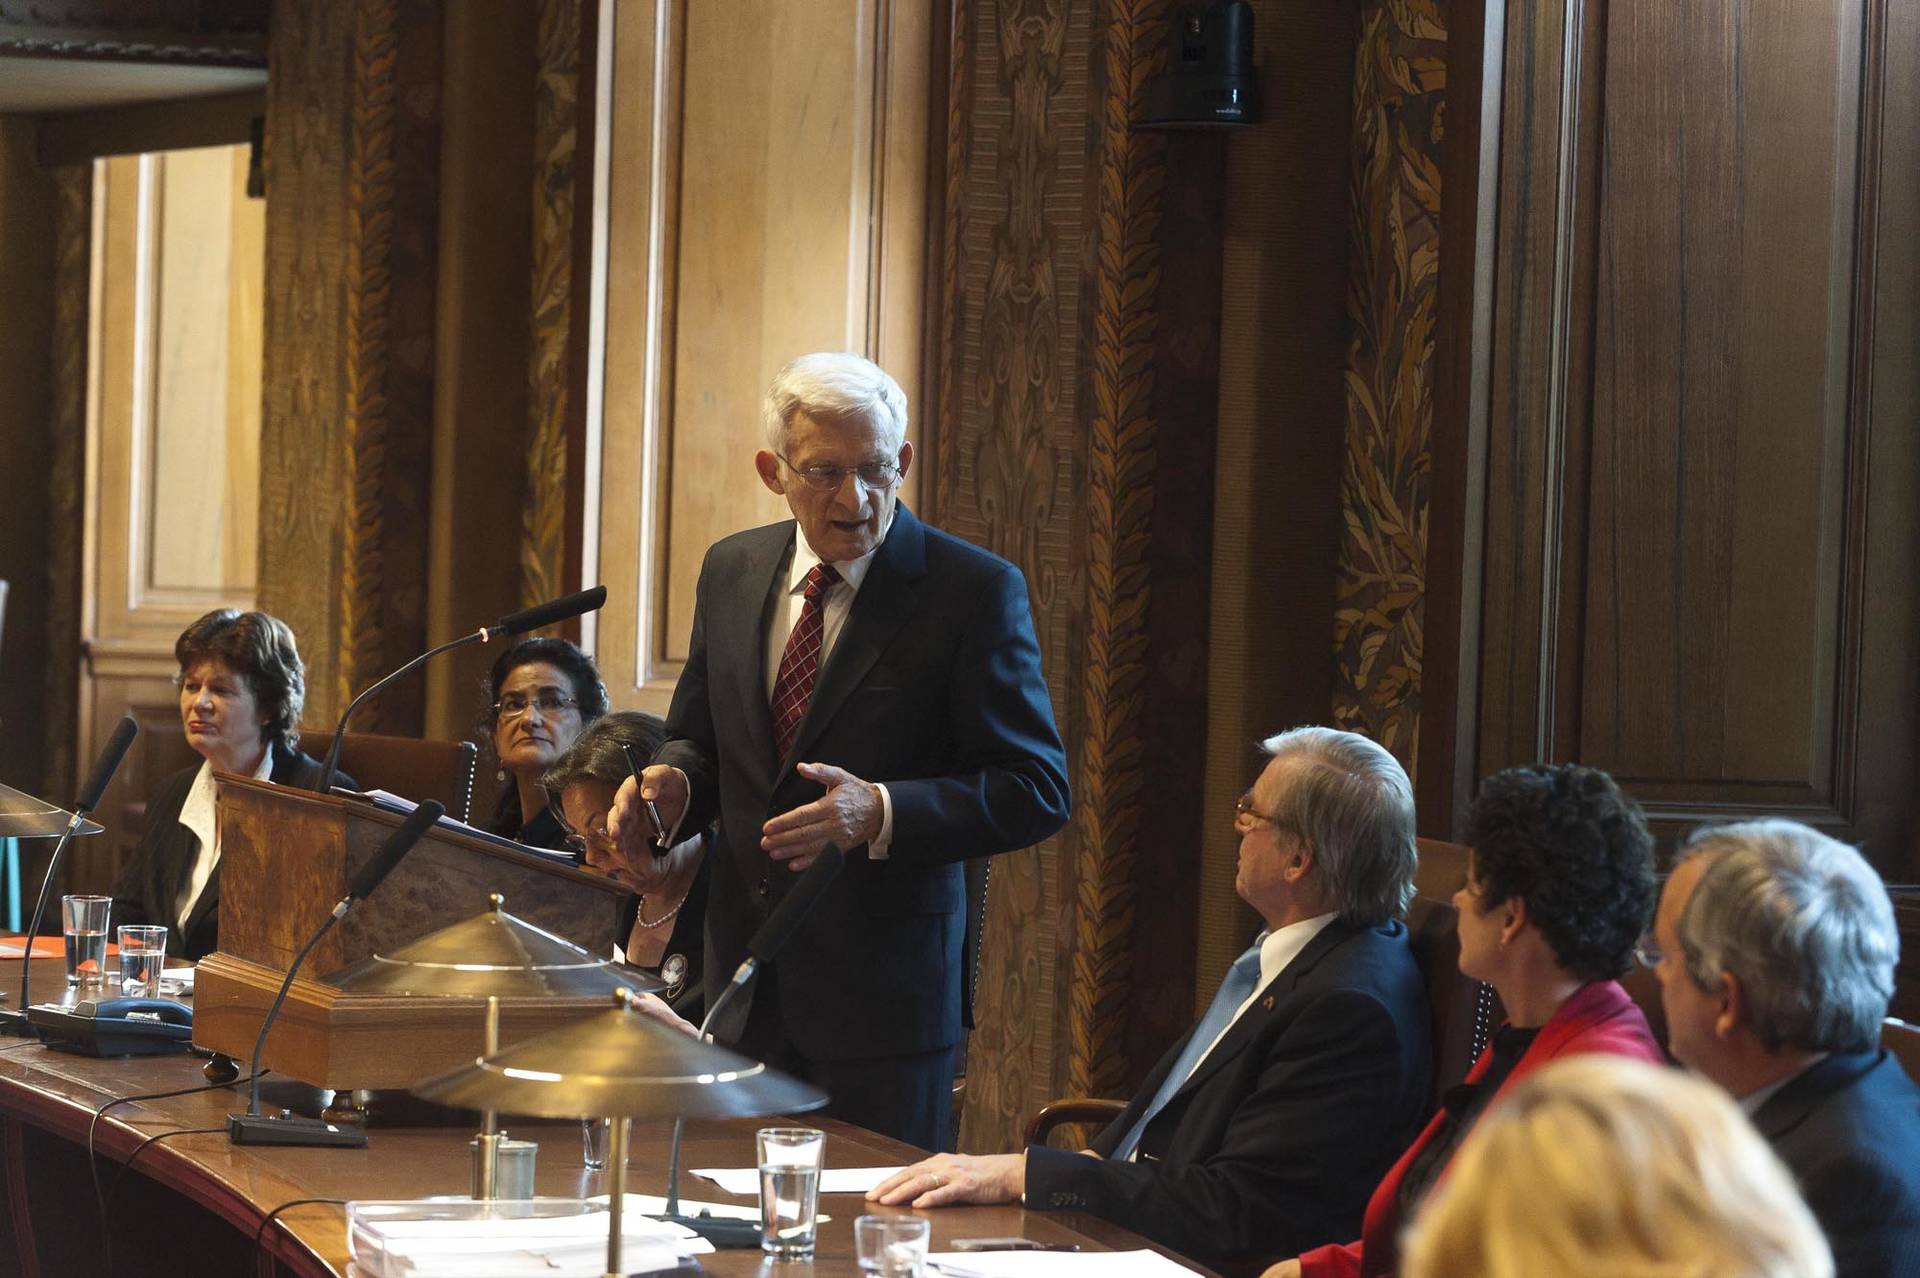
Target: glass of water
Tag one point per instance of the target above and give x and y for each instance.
(892, 1246)
(83, 920)
(790, 1159)
(143, 953)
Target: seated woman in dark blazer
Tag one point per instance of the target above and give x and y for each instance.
(542, 692)
(670, 889)
(1559, 889)
(241, 689)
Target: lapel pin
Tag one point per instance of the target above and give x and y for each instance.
(1266, 1003)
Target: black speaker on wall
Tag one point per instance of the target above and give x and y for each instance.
(1211, 81)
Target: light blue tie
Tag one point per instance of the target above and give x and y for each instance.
(1240, 981)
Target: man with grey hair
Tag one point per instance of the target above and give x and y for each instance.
(1775, 951)
(1263, 1132)
(857, 678)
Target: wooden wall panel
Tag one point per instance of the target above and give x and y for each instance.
(764, 188)
(1703, 484)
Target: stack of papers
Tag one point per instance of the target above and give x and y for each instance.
(436, 1243)
(1054, 1264)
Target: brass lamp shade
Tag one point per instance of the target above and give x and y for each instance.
(495, 954)
(621, 1064)
(24, 817)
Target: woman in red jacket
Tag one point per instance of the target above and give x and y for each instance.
(1559, 888)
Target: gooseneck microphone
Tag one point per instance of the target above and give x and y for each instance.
(514, 623)
(769, 940)
(252, 1128)
(90, 794)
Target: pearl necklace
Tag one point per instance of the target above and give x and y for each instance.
(640, 911)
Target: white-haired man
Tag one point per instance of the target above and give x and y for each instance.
(1263, 1131)
(856, 678)
(1776, 948)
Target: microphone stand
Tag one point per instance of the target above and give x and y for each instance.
(15, 1023)
(340, 732)
(254, 1128)
(718, 1230)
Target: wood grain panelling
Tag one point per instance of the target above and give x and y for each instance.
(1702, 487)
(1398, 88)
(555, 132)
(765, 190)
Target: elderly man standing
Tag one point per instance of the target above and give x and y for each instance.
(1264, 1130)
(857, 678)
(1777, 947)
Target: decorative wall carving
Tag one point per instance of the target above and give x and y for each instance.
(1110, 784)
(1045, 454)
(73, 226)
(556, 107)
(368, 297)
(309, 105)
(1009, 358)
(1399, 84)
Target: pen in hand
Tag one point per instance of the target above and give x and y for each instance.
(653, 813)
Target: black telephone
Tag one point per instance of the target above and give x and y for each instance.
(115, 1026)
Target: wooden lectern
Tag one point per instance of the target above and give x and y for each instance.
(286, 859)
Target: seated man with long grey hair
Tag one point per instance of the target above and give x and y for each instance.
(1262, 1132)
(1776, 949)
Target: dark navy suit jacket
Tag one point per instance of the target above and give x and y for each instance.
(932, 687)
(1274, 1143)
(1849, 1131)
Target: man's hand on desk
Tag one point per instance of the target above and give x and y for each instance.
(947, 1179)
(848, 814)
(627, 821)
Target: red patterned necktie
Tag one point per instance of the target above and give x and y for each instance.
(800, 663)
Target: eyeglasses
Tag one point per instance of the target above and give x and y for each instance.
(875, 476)
(546, 701)
(1647, 953)
(1243, 810)
(578, 843)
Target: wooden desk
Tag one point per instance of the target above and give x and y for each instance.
(193, 1203)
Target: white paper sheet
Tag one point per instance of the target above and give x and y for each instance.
(1054, 1264)
(745, 1181)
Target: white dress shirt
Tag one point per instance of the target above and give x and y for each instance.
(198, 815)
(834, 607)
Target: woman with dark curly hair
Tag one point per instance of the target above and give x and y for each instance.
(543, 691)
(242, 686)
(1559, 888)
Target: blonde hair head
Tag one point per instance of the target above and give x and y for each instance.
(1602, 1165)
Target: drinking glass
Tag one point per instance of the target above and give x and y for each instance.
(83, 921)
(143, 953)
(595, 1136)
(790, 1159)
(892, 1246)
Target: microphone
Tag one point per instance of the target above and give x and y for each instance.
(514, 623)
(543, 615)
(103, 769)
(771, 938)
(252, 1128)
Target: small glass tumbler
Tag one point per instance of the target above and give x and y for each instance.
(596, 1135)
(892, 1246)
(143, 953)
(83, 922)
(790, 1159)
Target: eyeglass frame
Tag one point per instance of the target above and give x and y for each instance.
(1243, 807)
(815, 477)
(1647, 952)
(567, 701)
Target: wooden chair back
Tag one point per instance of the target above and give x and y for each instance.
(411, 768)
